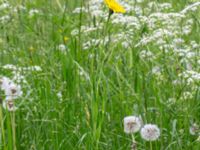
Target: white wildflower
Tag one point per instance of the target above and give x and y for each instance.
(4, 6)
(75, 32)
(79, 10)
(186, 95)
(33, 12)
(165, 6)
(156, 70)
(145, 54)
(18, 78)
(60, 96)
(62, 47)
(4, 19)
(126, 20)
(125, 44)
(10, 67)
(36, 68)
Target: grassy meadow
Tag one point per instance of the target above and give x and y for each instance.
(79, 72)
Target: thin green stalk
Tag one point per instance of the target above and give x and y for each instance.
(59, 5)
(13, 129)
(134, 143)
(151, 146)
(2, 128)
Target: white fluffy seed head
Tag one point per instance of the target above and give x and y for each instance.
(13, 91)
(132, 124)
(4, 83)
(194, 129)
(9, 105)
(150, 132)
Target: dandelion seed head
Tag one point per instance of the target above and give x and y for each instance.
(150, 132)
(132, 124)
(13, 91)
(194, 129)
(9, 105)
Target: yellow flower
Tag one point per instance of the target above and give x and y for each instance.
(115, 6)
(65, 39)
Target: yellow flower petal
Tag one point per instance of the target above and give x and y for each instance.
(115, 6)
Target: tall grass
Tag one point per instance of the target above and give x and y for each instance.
(99, 85)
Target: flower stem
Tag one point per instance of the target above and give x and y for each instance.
(2, 128)
(151, 146)
(134, 144)
(13, 129)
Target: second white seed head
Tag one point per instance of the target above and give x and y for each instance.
(150, 132)
(132, 124)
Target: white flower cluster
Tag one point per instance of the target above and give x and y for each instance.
(86, 29)
(133, 124)
(4, 19)
(18, 77)
(146, 55)
(7, 10)
(190, 76)
(4, 6)
(33, 12)
(95, 9)
(79, 10)
(129, 21)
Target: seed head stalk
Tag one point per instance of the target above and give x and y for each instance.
(134, 144)
(13, 129)
(151, 146)
(2, 126)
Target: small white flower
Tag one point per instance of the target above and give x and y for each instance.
(75, 32)
(4, 19)
(62, 47)
(79, 10)
(156, 70)
(37, 68)
(132, 124)
(4, 6)
(10, 67)
(18, 78)
(125, 44)
(186, 95)
(60, 96)
(150, 132)
(145, 54)
(33, 12)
